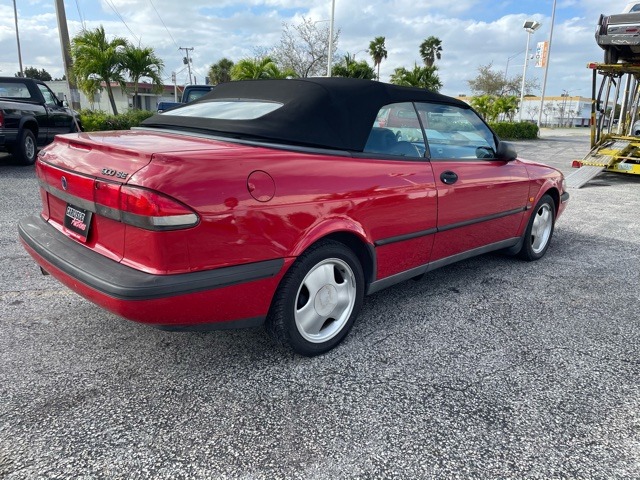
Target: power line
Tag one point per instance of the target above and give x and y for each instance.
(110, 3)
(163, 24)
(84, 25)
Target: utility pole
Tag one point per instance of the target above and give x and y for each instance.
(186, 60)
(175, 87)
(15, 14)
(66, 54)
(330, 55)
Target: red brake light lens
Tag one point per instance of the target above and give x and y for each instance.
(153, 210)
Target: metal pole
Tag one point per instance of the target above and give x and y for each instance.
(625, 103)
(634, 108)
(66, 54)
(593, 108)
(524, 75)
(546, 68)
(329, 57)
(616, 96)
(175, 87)
(15, 14)
(187, 60)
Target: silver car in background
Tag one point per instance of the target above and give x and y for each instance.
(619, 35)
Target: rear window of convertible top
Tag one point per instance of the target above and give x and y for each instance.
(227, 109)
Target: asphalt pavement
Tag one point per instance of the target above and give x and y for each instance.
(490, 368)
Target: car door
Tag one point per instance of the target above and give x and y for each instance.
(403, 220)
(481, 199)
(59, 117)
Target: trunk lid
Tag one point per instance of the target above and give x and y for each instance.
(83, 178)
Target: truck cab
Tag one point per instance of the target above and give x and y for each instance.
(190, 93)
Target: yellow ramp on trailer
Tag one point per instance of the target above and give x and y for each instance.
(601, 157)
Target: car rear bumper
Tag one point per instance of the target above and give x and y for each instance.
(222, 298)
(618, 40)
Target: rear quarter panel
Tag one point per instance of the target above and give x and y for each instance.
(313, 195)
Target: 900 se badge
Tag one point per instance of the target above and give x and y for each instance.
(114, 173)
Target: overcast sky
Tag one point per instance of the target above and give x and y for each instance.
(473, 33)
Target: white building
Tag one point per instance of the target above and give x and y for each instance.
(559, 111)
(562, 111)
(147, 98)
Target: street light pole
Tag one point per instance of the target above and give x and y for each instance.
(329, 59)
(546, 68)
(15, 14)
(506, 70)
(530, 26)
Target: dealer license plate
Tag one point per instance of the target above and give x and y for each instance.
(77, 221)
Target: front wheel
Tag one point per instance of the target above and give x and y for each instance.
(539, 230)
(318, 299)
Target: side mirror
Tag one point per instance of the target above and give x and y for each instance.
(506, 151)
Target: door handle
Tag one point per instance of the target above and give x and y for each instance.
(448, 177)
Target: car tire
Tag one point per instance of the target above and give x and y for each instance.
(537, 236)
(318, 299)
(27, 150)
(611, 56)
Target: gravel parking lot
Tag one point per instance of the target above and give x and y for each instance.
(491, 368)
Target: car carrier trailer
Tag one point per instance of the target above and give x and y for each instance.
(615, 147)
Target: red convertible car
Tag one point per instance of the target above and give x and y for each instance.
(283, 203)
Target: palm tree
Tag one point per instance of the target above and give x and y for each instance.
(378, 52)
(258, 69)
(430, 50)
(507, 105)
(350, 68)
(484, 105)
(142, 62)
(90, 86)
(95, 57)
(220, 72)
(421, 77)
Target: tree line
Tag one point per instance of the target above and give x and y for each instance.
(100, 61)
(302, 52)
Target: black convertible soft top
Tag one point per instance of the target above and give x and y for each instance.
(335, 113)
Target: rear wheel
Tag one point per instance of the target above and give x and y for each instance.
(318, 299)
(26, 150)
(539, 230)
(611, 55)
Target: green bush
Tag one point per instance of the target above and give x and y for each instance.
(515, 131)
(95, 120)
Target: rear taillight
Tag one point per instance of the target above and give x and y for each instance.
(154, 211)
(1, 119)
(124, 203)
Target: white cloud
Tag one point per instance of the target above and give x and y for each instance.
(231, 28)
